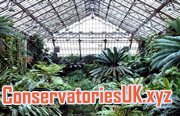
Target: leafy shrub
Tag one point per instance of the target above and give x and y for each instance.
(30, 81)
(89, 59)
(121, 110)
(11, 45)
(78, 79)
(166, 109)
(49, 70)
(140, 66)
(35, 47)
(89, 67)
(72, 58)
(174, 27)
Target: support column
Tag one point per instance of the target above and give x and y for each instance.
(131, 40)
(105, 42)
(25, 53)
(80, 55)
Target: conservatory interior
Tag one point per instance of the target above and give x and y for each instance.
(62, 45)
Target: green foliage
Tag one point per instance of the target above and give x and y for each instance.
(107, 112)
(30, 81)
(11, 45)
(72, 58)
(173, 74)
(129, 80)
(35, 47)
(57, 84)
(89, 59)
(145, 45)
(111, 61)
(108, 86)
(6, 27)
(9, 76)
(78, 79)
(30, 110)
(49, 70)
(81, 110)
(53, 57)
(158, 82)
(121, 110)
(89, 67)
(166, 109)
(174, 27)
(169, 53)
(140, 66)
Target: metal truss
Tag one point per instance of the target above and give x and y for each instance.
(91, 35)
(152, 15)
(46, 17)
(108, 8)
(32, 16)
(81, 43)
(76, 10)
(57, 13)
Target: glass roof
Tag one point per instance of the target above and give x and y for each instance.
(139, 17)
(92, 32)
(47, 17)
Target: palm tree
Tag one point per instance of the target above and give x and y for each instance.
(111, 65)
(169, 53)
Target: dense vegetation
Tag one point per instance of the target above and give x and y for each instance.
(156, 67)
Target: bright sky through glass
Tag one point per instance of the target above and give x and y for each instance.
(94, 32)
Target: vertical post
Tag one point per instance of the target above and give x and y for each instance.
(105, 42)
(131, 40)
(25, 53)
(80, 49)
(17, 62)
(53, 41)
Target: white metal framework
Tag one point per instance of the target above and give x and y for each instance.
(54, 17)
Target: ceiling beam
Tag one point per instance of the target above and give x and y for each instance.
(127, 13)
(51, 4)
(66, 9)
(85, 4)
(98, 6)
(76, 9)
(108, 8)
(50, 19)
(131, 40)
(94, 33)
(137, 12)
(151, 6)
(32, 16)
(26, 8)
(152, 15)
(35, 19)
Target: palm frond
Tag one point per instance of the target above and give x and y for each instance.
(168, 54)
